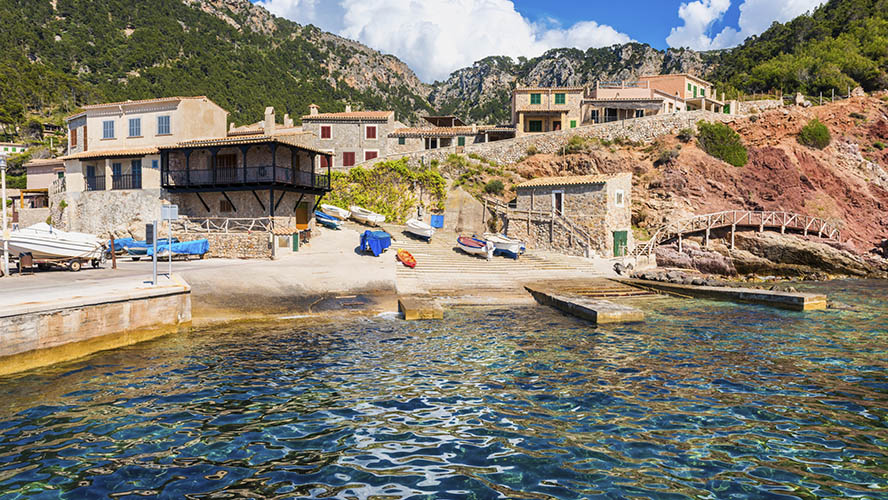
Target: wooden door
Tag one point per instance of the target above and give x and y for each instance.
(621, 241)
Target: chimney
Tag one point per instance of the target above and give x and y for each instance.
(269, 121)
(288, 122)
(231, 127)
(348, 108)
(312, 109)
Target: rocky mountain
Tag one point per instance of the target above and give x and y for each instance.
(482, 92)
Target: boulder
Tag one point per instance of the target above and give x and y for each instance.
(789, 255)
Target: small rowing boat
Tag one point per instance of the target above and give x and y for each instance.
(420, 228)
(406, 258)
(327, 221)
(475, 246)
(365, 216)
(505, 245)
(334, 211)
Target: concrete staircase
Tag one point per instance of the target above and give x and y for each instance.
(444, 270)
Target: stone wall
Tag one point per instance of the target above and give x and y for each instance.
(30, 216)
(753, 107)
(542, 233)
(510, 151)
(255, 245)
(101, 212)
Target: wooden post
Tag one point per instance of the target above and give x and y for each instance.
(113, 253)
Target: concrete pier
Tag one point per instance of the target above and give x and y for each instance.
(595, 310)
(43, 326)
(794, 301)
(415, 307)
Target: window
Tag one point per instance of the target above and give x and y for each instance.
(326, 132)
(573, 124)
(594, 116)
(689, 86)
(163, 125)
(135, 127)
(74, 137)
(402, 141)
(702, 91)
(225, 206)
(369, 155)
(536, 98)
(348, 159)
(460, 141)
(155, 164)
(559, 99)
(433, 144)
(136, 172)
(370, 132)
(639, 113)
(618, 198)
(558, 202)
(108, 129)
(116, 169)
(60, 174)
(535, 126)
(325, 161)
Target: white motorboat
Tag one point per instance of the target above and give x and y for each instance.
(503, 244)
(334, 211)
(365, 216)
(420, 228)
(43, 241)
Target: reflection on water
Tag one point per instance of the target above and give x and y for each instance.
(704, 400)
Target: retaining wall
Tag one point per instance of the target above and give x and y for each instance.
(255, 245)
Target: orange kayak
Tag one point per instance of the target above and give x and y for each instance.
(406, 258)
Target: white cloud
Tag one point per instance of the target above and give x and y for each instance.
(756, 16)
(436, 37)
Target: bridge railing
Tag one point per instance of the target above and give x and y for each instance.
(743, 218)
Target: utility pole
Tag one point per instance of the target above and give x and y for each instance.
(5, 231)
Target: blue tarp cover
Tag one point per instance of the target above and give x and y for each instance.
(121, 243)
(196, 247)
(375, 241)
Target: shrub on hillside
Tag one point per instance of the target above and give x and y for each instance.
(879, 145)
(857, 116)
(532, 150)
(815, 135)
(576, 145)
(667, 157)
(686, 134)
(494, 187)
(720, 141)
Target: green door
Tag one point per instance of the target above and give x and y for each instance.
(296, 241)
(621, 241)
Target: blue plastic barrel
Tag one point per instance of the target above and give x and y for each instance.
(437, 221)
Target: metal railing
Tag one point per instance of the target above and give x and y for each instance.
(95, 183)
(58, 186)
(222, 224)
(126, 181)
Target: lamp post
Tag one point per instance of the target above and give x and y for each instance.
(5, 231)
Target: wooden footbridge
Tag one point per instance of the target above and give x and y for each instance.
(733, 219)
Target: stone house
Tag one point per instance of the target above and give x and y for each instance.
(613, 101)
(12, 148)
(696, 92)
(438, 132)
(352, 137)
(546, 109)
(599, 205)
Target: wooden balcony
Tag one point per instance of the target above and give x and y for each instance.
(245, 178)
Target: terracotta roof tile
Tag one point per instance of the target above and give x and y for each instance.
(113, 153)
(139, 101)
(43, 161)
(354, 115)
(289, 139)
(570, 180)
(547, 89)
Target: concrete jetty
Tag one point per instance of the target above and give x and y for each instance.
(597, 311)
(416, 307)
(795, 301)
(45, 325)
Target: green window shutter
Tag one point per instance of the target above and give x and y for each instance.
(702, 91)
(535, 99)
(460, 141)
(535, 126)
(401, 141)
(689, 87)
(573, 124)
(559, 99)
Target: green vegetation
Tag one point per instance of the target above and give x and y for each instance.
(494, 187)
(815, 135)
(17, 181)
(387, 188)
(667, 157)
(720, 141)
(686, 134)
(842, 44)
(879, 145)
(857, 116)
(578, 144)
(87, 51)
(532, 150)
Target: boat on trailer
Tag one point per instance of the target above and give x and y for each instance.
(505, 245)
(366, 216)
(475, 246)
(336, 212)
(419, 228)
(327, 221)
(49, 245)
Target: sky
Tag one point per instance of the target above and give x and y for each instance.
(437, 37)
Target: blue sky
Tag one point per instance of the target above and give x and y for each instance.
(437, 37)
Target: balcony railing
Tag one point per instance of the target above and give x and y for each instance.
(95, 183)
(240, 176)
(127, 181)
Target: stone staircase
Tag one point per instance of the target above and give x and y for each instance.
(444, 270)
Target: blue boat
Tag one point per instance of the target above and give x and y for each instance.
(187, 248)
(327, 220)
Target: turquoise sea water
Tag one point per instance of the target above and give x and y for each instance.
(704, 400)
